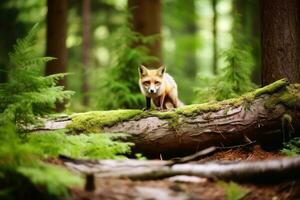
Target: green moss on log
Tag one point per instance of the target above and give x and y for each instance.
(94, 121)
(290, 97)
(247, 98)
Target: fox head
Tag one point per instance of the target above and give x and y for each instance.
(151, 80)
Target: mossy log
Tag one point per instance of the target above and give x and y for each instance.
(268, 114)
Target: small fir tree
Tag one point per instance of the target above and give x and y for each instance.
(27, 93)
(120, 88)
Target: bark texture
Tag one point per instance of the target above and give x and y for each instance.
(147, 21)
(215, 37)
(280, 21)
(56, 40)
(257, 116)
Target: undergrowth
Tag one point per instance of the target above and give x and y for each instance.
(234, 78)
(22, 173)
(292, 148)
(91, 146)
(26, 96)
(234, 191)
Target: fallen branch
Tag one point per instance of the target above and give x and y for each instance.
(269, 170)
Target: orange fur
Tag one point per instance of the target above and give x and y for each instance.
(160, 87)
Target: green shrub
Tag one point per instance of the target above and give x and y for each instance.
(28, 94)
(292, 148)
(91, 146)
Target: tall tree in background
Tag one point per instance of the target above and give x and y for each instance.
(56, 39)
(85, 50)
(214, 30)
(246, 11)
(146, 20)
(180, 21)
(280, 40)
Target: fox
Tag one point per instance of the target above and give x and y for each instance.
(160, 87)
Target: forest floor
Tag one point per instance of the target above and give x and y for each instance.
(203, 189)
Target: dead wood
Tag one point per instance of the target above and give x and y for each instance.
(266, 171)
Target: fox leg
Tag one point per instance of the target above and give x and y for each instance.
(174, 99)
(148, 103)
(161, 101)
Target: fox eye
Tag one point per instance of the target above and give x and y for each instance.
(157, 83)
(146, 83)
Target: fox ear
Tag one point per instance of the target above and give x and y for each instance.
(143, 70)
(161, 70)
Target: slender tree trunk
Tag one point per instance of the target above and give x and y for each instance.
(85, 50)
(280, 40)
(56, 40)
(250, 31)
(190, 30)
(147, 21)
(215, 39)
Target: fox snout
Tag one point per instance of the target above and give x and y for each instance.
(152, 90)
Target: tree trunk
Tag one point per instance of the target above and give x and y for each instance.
(85, 50)
(215, 39)
(280, 40)
(257, 116)
(146, 20)
(56, 40)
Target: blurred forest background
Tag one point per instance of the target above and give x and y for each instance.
(101, 43)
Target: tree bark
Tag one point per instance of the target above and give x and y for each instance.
(146, 19)
(215, 39)
(56, 40)
(280, 40)
(258, 116)
(85, 50)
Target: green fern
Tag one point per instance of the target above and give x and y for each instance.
(19, 161)
(23, 98)
(91, 146)
(27, 94)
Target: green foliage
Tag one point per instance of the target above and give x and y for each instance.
(292, 148)
(23, 98)
(120, 88)
(21, 160)
(91, 146)
(234, 191)
(234, 78)
(28, 94)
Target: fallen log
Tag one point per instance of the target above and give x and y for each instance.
(268, 115)
(259, 171)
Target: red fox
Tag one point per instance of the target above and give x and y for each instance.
(159, 86)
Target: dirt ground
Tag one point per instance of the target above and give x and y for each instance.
(116, 189)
